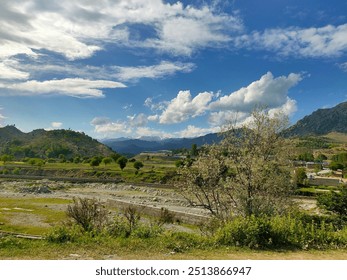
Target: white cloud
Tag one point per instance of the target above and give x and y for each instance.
(150, 132)
(107, 127)
(268, 91)
(163, 69)
(288, 108)
(203, 28)
(153, 118)
(137, 120)
(160, 106)
(183, 107)
(8, 71)
(343, 66)
(221, 118)
(56, 124)
(192, 131)
(327, 41)
(72, 87)
(2, 118)
(31, 26)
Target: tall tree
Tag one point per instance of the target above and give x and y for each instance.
(122, 162)
(246, 174)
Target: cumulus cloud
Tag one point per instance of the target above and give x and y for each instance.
(184, 106)
(107, 127)
(327, 41)
(153, 118)
(55, 125)
(150, 132)
(192, 131)
(137, 120)
(71, 87)
(267, 91)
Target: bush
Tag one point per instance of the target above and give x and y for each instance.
(62, 234)
(166, 217)
(180, 242)
(88, 213)
(147, 231)
(335, 202)
(281, 232)
(119, 227)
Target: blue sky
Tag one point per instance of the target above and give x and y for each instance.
(135, 68)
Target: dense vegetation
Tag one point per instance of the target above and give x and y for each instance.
(63, 144)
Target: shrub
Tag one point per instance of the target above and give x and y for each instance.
(335, 202)
(88, 213)
(281, 232)
(147, 231)
(166, 217)
(63, 233)
(118, 228)
(132, 217)
(180, 242)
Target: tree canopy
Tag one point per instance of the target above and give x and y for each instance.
(246, 174)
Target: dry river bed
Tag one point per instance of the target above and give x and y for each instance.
(148, 197)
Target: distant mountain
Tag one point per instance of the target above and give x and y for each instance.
(49, 144)
(321, 122)
(136, 146)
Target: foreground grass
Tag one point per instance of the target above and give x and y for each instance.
(136, 249)
(31, 215)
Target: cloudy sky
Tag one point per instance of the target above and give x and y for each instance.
(132, 68)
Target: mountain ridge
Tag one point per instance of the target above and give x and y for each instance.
(320, 122)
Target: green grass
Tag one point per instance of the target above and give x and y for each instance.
(153, 171)
(28, 215)
(12, 248)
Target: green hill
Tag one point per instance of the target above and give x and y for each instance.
(49, 144)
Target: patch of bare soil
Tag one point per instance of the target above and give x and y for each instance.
(23, 219)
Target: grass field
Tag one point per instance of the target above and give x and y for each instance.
(156, 249)
(31, 215)
(155, 170)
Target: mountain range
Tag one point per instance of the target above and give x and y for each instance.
(136, 146)
(320, 122)
(42, 143)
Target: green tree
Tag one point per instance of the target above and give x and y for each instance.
(335, 202)
(300, 176)
(194, 150)
(306, 157)
(321, 158)
(6, 158)
(115, 156)
(138, 165)
(107, 160)
(95, 161)
(122, 162)
(336, 165)
(246, 174)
